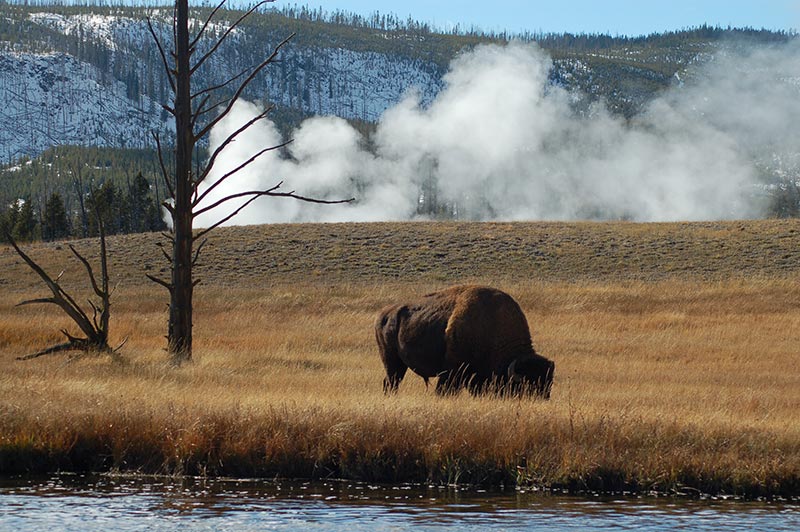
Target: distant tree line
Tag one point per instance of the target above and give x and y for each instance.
(56, 195)
(128, 201)
(121, 211)
(581, 41)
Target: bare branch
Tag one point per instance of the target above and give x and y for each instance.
(96, 331)
(105, 295)
(167, 205)
(88, 270)
(95, 312)
(198, 250)
(248, 162)
(197, 113)
(205, 25)
(162, 282)
(214, 107)
(167, 256)
(71, 338)
(60, 297)
(272, 192)
(225, 36)
(221, 85)
(254, 195)
(207, 230)
(50, 350)
(41, 300)
(226, 199)
(164, 171)
(170, 72)
(292, 194)
(116, 349)
(232, 137)
(242, 87)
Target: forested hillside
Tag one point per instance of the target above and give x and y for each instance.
(91, 76)
(65, 69)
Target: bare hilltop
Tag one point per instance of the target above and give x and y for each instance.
(448, 252)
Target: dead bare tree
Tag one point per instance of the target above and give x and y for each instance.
(95, 327)
(190, 109)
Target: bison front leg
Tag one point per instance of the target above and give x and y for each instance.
(451, 381)
(395, 371)
(479, 385)
(446, 383)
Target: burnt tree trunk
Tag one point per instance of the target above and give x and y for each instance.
(180, 308)
(196, 113)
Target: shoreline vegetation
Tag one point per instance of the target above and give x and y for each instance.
(675, 348)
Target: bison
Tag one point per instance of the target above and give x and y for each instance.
(467, 336)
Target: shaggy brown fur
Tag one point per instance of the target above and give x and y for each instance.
(467, 336)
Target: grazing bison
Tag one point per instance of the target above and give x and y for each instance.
(469, 336)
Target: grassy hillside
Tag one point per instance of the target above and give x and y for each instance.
(437, 253)
(675, 349)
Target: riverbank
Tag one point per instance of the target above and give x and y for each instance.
(673, 383)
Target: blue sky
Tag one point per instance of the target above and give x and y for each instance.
(617, 17)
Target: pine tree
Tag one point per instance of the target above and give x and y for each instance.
(105, 201)
(138, 202)
(55, 224)
(8, 219)
(25, 227)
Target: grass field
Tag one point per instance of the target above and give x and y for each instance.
(675, 349)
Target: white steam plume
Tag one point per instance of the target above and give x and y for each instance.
(500, 142)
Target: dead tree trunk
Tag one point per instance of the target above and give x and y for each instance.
(180, 314)
(95, 328)
(189, 110)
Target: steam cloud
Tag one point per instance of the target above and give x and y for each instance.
(502, 143)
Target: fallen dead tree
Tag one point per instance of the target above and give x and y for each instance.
(94, 327)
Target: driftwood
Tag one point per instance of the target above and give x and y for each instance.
(94, 327)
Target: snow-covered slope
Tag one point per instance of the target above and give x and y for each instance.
(53, 99)
(56, 98)
(92, 75)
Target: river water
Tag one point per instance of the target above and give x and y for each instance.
(95, 503)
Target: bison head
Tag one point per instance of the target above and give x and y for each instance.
(531, 375)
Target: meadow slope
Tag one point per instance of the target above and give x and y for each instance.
(675, 350)
(449, 252)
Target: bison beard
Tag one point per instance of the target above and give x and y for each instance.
(467, 336)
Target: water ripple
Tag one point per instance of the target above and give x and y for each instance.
(95, 503)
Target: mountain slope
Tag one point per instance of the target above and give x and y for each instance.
(585, 126)
(92, 75)
(53, 99)
(96, 79)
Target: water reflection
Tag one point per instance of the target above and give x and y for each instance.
(87, 503)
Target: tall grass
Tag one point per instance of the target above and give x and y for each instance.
(664, 386)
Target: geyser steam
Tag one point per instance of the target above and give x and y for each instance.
(502, 143)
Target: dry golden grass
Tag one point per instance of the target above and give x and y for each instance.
(438, 252)
(661, 382)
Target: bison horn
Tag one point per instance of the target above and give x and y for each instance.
(512, 368)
